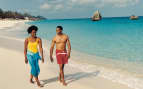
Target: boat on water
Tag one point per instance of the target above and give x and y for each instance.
(134, 17)
(97, 16)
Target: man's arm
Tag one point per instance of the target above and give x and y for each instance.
(69, 47)
(25, 50)
(51, 49)
(41, 49)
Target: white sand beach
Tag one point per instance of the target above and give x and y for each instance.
(15, 73)
(7, 23)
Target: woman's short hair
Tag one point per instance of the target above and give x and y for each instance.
(31, 28)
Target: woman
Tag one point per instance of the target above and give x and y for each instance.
(31, 53)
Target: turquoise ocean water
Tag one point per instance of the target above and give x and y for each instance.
(114, 38)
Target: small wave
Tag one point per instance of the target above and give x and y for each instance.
(114, 75)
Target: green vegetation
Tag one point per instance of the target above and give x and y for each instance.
(17, 15)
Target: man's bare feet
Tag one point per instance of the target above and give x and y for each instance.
(31, 81)
(40, 86)
(64, 83)
(59, 79)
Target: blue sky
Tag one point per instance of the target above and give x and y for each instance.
(75, 8)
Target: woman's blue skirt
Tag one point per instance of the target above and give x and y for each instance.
(33, 59)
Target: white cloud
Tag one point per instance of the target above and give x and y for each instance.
(45, 6)
(84, 1)
(120, 3)
(115, 3)
(59, 6)
(70, 4)
(52, 7)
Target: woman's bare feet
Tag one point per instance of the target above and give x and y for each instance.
(31, 81)
(39, 85)
(38, 82)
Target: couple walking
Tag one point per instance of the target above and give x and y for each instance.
(33, 45)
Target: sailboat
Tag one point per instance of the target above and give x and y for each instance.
(97, 16)
(134, 17)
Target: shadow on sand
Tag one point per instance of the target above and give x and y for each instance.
(72, 77)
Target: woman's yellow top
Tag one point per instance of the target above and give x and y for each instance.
(33, 46)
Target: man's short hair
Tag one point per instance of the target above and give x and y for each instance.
(61, 28)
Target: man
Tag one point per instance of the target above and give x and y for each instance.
(62, 54)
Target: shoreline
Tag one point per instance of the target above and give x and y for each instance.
(109, 73)
(77, 73)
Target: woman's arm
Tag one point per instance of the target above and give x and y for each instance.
(25, 50)
(41, 49)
